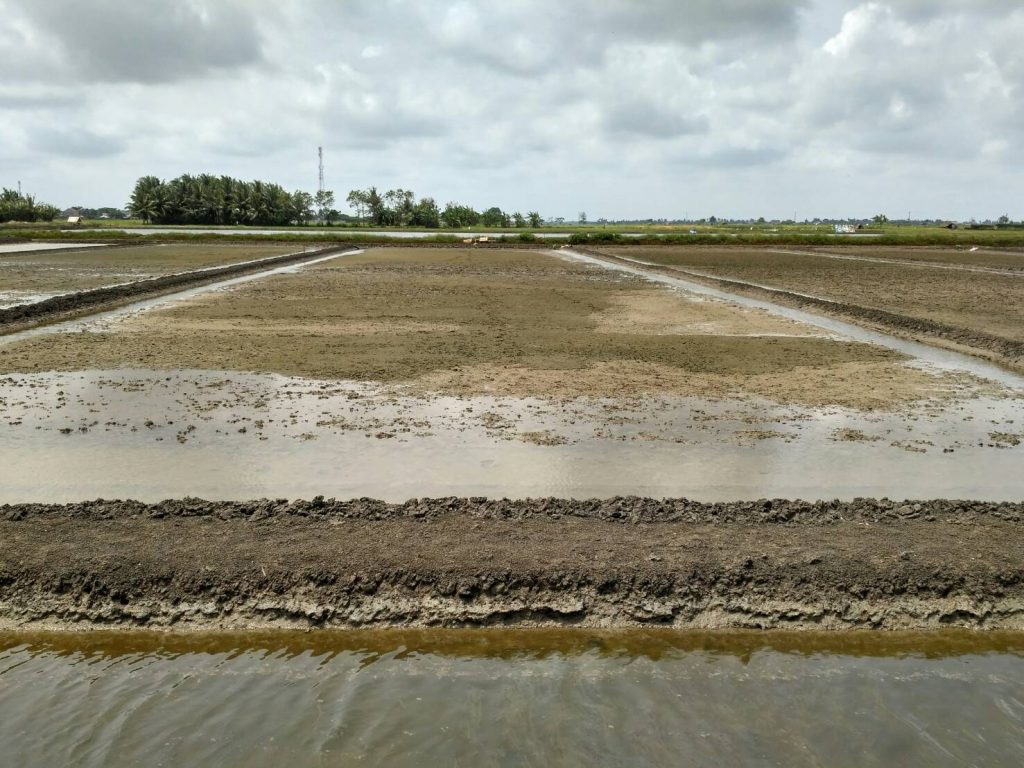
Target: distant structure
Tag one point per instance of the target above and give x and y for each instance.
(320, 153)
(844, 229)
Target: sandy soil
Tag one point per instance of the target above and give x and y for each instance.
(490, 322)
(989, 303)
(458, 562)
(27, 275)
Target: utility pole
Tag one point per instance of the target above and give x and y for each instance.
(19, 187)
(320, 153)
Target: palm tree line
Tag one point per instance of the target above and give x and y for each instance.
(15, 206)
(206, 199)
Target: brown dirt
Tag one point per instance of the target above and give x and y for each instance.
(1012, 261)
(190, 564)
(987, 303)
(84, 268)
(495, 322)
(962, 327)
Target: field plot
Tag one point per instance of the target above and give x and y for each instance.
(987, 258)
(35, 275)
(979, 302)
(405, 372)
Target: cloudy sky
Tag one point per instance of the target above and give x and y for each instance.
(620, 108)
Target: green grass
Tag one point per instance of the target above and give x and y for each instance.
(800, 234)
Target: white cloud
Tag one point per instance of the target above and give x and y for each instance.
(746, 107)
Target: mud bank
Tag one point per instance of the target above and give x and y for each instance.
(1008, 352)
(74, 304)
(192, 564)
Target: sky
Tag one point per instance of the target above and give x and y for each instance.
(620, 108)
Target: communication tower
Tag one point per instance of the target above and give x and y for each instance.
(320, 153)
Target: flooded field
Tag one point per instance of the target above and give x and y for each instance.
(502, 374)
(149, 434)
(511, 698)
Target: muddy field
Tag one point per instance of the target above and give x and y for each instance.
(510, 323)
(983, 302)
(404, 373)
(1008, 260)
(32, 276)
(473, 562)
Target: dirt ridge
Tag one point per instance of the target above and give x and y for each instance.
(619, 509)
(190, 564)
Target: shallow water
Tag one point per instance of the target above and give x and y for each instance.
(29, 247)
(152, 435)
(511, 698)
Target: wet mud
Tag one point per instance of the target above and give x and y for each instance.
(88, 301)
(1007, 351)
(627, 561)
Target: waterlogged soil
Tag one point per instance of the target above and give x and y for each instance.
(505, 323)
(36, 275)
(476, 562)
(976, 301)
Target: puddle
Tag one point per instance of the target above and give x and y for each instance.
(29, 247)
(551, 697)
(152, 435)
(939, 358)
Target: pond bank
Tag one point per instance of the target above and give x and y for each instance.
(622, 562)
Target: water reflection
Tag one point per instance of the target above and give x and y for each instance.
(544, 697)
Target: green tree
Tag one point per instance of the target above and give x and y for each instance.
(426, 214)
(494, 217)
(358, 200)
(535, 219)
(518, 220)
(456, 216)
(324, 201)
(880, 220)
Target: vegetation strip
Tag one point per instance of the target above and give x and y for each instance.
(193, 564)
(59, 306)
(1009, 352)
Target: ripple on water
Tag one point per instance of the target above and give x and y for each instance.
(523, 697)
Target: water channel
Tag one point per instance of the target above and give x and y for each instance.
(511, 698)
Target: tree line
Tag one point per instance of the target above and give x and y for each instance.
(400, 208)
(206, 199)
(17, 207)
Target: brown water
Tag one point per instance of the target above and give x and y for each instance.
(511, 698)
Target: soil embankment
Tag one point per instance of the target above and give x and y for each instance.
(192, 564)
(1007, 351)
(84, 302)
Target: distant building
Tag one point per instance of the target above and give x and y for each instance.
(844, 229)
(75, 219)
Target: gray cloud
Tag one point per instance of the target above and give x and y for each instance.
(618, 108)
(653, 120)
(78, 143)
(146, 41)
